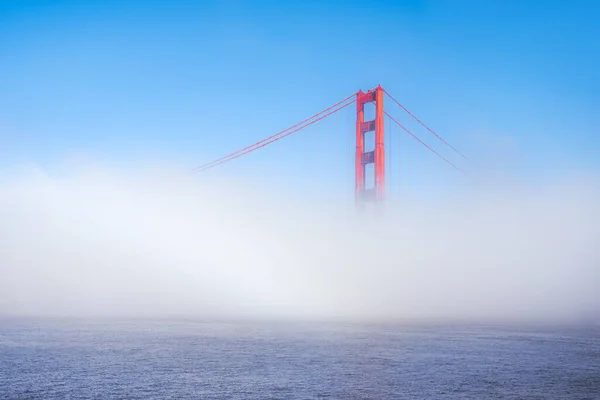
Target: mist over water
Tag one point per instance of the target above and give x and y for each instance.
(102, 242)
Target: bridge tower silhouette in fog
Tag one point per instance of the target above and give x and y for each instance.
(364, 192)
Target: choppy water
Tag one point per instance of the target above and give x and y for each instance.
(60, 359)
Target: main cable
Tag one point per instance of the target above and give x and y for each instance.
(426, 145)
(218, 160)
(272, 138)
(428, 128)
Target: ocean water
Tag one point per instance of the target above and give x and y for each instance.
(166, 359)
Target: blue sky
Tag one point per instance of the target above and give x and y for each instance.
(513, 84)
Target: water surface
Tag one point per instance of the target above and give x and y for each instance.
(136, 359)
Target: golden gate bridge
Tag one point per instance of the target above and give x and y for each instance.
(375, 192)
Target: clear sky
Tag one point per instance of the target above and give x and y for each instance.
(513, 84)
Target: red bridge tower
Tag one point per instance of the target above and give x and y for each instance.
(375, 156)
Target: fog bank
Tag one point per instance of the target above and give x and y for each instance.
(104, 242)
